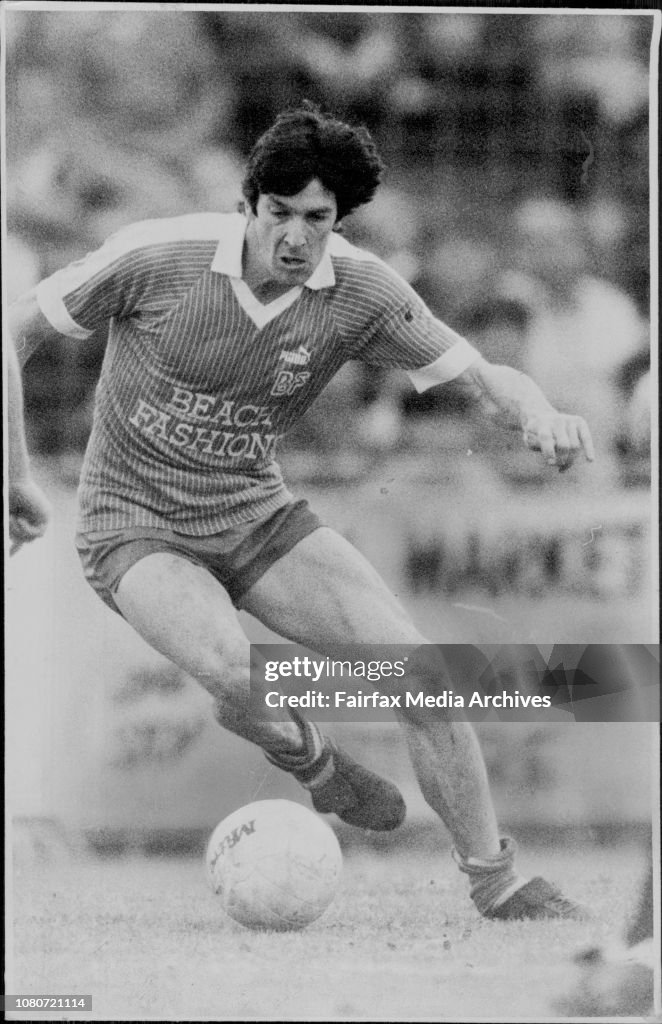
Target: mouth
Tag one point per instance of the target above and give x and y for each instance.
(292, 262)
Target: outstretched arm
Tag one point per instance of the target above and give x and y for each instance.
(28, 507)
(516, 402)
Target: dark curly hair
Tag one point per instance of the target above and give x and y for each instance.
(305, 143)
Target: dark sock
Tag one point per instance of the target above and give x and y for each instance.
(313, 747)
(492, 880)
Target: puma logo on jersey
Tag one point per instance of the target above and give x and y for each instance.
(299, 358)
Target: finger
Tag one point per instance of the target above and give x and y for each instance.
(35, 530)
(561, 444)
(547, 446)
(573, 436)
(539, 439)
(16, 538)
(573, 446)
(586, 440)
(23, 529)
(15, 546)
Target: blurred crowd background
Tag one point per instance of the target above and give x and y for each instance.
(516, 201)
(515, 198)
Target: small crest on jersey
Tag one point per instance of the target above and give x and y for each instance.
(299, 358)
(287, 382)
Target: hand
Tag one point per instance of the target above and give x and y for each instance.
(559, 436)
(29, 512)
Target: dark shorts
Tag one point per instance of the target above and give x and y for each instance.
(237, 557)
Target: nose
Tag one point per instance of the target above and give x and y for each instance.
(295, 235)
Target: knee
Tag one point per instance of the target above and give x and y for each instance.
(224, 671)
(424, 719)
(425, 688)
(431, 703)
(386, 622)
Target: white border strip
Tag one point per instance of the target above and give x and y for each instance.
(57, 314)
(448, 366)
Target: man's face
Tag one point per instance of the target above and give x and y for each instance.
(287, 235)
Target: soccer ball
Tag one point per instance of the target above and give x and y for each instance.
(275, 865)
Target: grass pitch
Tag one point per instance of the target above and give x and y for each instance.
(401, 941)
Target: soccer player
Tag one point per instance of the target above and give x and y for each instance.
(223, 328)
(618, 980)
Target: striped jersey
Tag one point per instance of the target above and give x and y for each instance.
(200, 380)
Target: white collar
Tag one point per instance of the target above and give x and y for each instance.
(323, 276)
(227, 258)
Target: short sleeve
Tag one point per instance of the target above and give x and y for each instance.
(411, 338)
(106, 283)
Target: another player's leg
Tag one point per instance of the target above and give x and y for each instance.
(324, 593)
(183, 612)
(618, 980)
(641, 927)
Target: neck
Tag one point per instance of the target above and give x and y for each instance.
(266, 291)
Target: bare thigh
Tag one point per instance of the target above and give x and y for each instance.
(324, 592)
(183, 612)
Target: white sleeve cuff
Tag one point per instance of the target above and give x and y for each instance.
(53, 307)
(448, 366)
